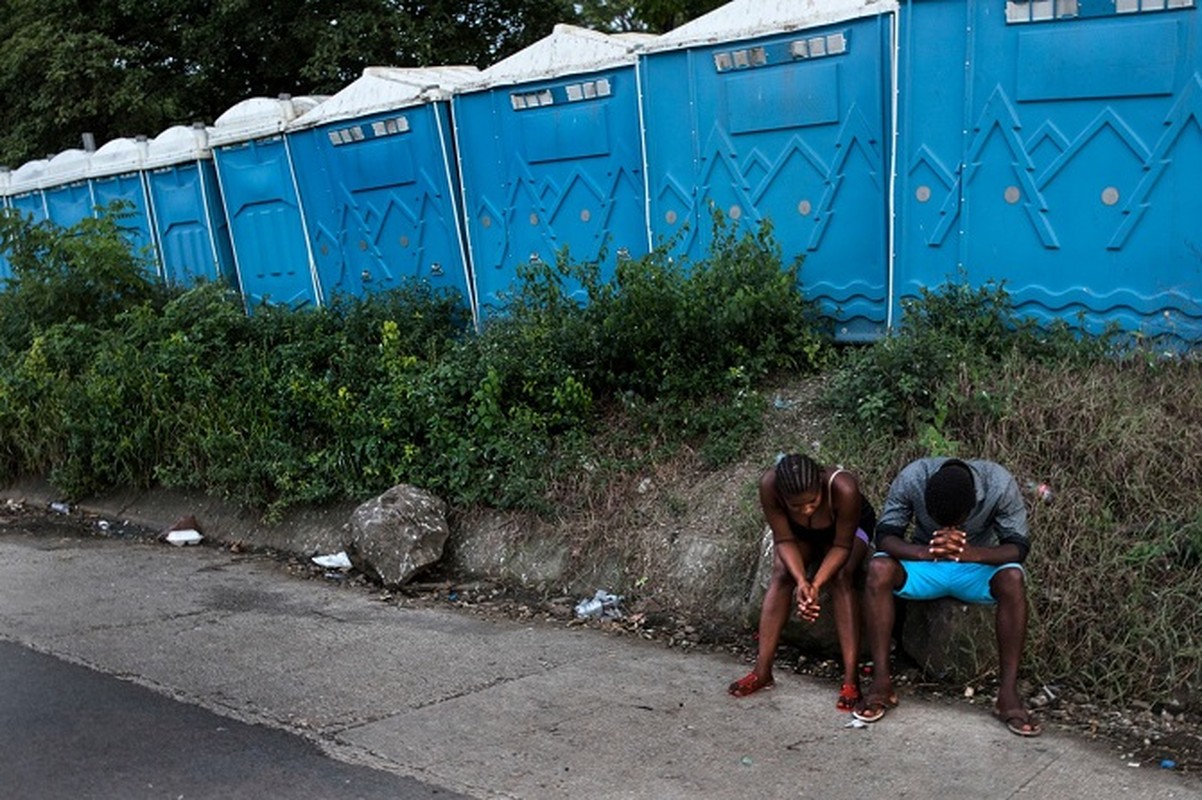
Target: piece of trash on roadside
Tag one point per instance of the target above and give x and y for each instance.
(746, 761)
(60, 507)
(855, 723)
(602, 605)
(1168, 763)
(338, 560)
(184, 537)
(184, 531)
(1040, 491)
(782, 404)
(1047, 696)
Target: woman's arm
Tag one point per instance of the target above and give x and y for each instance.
(782, 531)
(845, 501)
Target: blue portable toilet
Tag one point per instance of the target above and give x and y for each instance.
(116, 174)
(550, 156)
(375, 168)
(23, 195)
(1055, 145)
(25, 190)
(259, 193)
(66, 189)
(189, 224)
(5, 181)
(780, 110)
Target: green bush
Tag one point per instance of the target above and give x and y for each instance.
(86, 273)
(287, 407)
(943, 361)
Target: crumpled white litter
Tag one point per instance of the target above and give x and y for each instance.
(336, 561)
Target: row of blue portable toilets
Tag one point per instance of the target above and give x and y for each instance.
(1052, 144)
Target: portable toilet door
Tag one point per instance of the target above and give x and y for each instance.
(188, 220)
(376, 172)
(262, 203)
(1055, 145)
(67, 191)
(25, 190)
(551, 157)
(116, 175)
(780, 111)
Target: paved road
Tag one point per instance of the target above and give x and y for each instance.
(72, 733)
(498, 709)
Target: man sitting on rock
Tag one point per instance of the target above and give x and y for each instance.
(968, 541)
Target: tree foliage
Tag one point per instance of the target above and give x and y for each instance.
(653, 16)
(122, 68)
(127, 67)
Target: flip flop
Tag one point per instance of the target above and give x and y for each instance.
(750, 684)
(875, 708)
(849, 698)
(1019, 722)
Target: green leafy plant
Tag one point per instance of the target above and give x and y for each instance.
(86, 273)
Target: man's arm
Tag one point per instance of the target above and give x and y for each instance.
(1010, 522)
(899, 548)
(896, 515)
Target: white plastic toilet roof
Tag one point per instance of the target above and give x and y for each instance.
(27, 177)
(177, 145)
(117, 157)
(567, 50)
(382, 89)
(257, 117)
(746, 19)
(66, 167)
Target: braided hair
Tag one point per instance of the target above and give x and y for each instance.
(797, 474)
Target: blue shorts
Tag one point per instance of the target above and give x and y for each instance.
(968, 583)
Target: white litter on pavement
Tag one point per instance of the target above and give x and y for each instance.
(184, 537)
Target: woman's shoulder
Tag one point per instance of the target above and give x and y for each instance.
(845, 482)
(767, 484)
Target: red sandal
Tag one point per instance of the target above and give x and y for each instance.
(750, 684)
(849, 698)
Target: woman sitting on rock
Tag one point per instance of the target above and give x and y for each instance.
(821, 525)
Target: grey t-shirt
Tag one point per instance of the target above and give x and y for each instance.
(999, 516)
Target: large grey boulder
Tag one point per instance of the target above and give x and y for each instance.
(398, 534)
(951, 640)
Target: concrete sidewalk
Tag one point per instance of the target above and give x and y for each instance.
(501, 709)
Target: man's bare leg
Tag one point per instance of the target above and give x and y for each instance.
(884, 575)
(1009, 590)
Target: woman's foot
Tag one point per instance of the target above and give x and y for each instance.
(849, 697)
(876, 703)
(750, 684)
